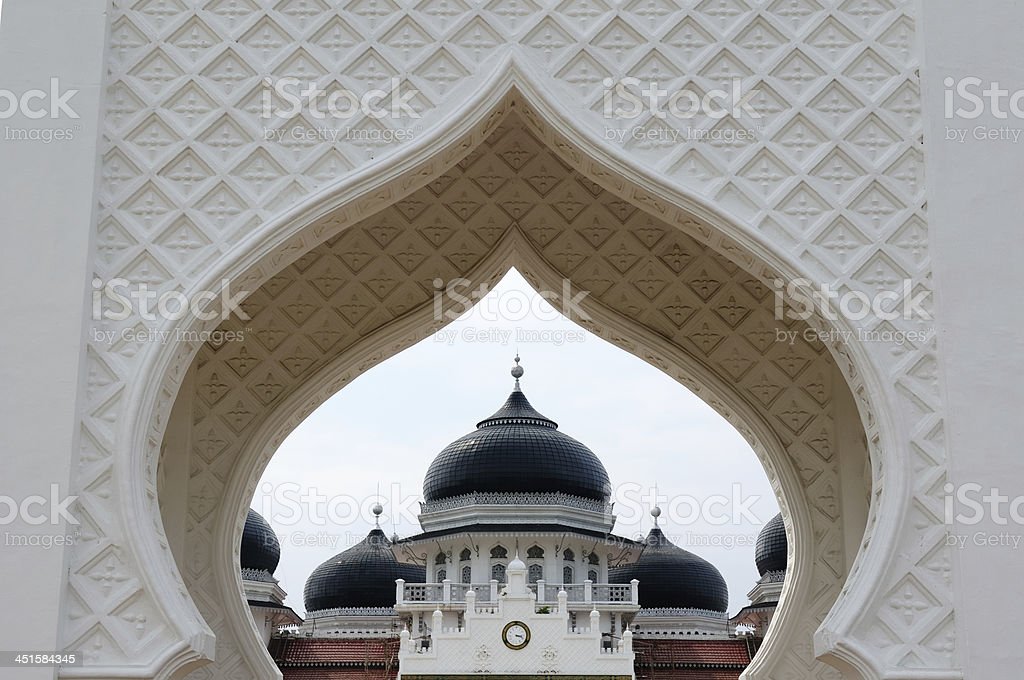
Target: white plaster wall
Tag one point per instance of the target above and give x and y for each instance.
(976, 205)
(46, 191)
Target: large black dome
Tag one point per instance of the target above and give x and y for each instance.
(260, 548)
(771, 548)
(362, 576)
(673, 578)
(516, 450)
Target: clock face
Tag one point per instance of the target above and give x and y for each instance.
(516, 635)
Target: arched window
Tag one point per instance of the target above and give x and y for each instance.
(467, 574)
(592, 575)
(569, 555)
(442, 574)
(592, 558)
(536, 573)
(567, 574)
(441, 558)
(536, 552)
(498, 572)
(499, 552)
(465, 555)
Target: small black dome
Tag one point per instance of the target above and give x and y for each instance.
(516, 450)
(260, 548)
(673, 578)
(772, 547)
(362, 576)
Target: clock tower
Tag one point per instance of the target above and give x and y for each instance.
(516, 637)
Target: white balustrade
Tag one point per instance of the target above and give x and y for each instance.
(547, 593)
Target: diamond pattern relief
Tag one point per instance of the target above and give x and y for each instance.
(831, 173)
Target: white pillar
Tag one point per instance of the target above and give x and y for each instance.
(46, 191)
(446, 591)
(399, 590)
(974, 210)
(634, 587)
(588, 591)
(436, 623)
(406, 641)
(540, 590)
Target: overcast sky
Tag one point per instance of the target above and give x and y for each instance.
(383, 430)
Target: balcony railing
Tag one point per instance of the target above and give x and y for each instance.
(586, 593)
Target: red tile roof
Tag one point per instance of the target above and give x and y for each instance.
(669, 659)
(692, 653)
(687, 674)
(339, 674)
(320, 652)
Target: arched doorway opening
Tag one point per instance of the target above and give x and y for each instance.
(372, 443)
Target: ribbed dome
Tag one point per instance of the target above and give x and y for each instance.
(516, 450)
(362, 576)
(771, 548)
(260, 548)
(673, 578)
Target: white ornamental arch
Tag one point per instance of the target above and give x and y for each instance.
(192, 196)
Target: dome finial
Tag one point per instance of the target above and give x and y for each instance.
(378, 510)
(655, 513)
(517, 371)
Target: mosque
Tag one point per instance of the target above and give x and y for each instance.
(516, 573)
